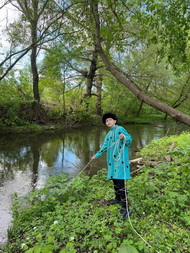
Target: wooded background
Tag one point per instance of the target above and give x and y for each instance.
(78, 59)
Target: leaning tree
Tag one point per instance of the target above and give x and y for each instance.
(114, 17)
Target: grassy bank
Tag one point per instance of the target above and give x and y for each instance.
(74, 217)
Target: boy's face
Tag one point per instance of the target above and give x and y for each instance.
(110, 122)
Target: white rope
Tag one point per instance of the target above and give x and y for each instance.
(127, 206)
(77, 175)
(119, 152)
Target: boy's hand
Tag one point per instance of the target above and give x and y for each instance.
(93, 158)
(121, 136)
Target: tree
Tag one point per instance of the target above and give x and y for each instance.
(124, 78)
(157, 79)
(170, 21)
(38, 25)
(76, 50)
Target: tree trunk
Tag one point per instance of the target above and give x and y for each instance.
(141, 104)
(99, 95)
(118, 73)
(64, 85)
(183, 96)
(90, 79)
(35, 76)
(91, 75)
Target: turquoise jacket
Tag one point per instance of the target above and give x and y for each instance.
(117, 153)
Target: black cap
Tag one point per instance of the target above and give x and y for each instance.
(109, 115)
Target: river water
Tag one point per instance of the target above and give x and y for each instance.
(28, 160)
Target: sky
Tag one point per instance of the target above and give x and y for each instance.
(7, 14)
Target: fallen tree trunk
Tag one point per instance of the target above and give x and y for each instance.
(123, 78)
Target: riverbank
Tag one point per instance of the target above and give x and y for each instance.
(75, 218)
(93, 120)
(17, 118)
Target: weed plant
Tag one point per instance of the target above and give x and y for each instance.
(72, 216)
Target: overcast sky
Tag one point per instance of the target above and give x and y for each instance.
(7, 15)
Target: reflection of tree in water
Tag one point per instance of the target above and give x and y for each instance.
(50, 150)
(20, 152)
(14, 156)
(84, 143)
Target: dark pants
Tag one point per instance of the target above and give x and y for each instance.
(119, 187)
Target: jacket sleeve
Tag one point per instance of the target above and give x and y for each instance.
(102, 150)
(127, 136)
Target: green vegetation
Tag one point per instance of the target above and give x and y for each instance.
(53, 71)
(72, 216)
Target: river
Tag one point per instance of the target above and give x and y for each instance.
(27, 160)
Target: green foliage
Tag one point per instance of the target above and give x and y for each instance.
(144, 118)
(127, 249)
(16, 101)
(10, 115)
(71, 215)
(169, 21)
(158, 149)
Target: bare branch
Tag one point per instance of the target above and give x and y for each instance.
(12, 65)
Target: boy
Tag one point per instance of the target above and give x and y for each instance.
(116, 144)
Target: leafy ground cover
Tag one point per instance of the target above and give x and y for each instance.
(73, 217)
